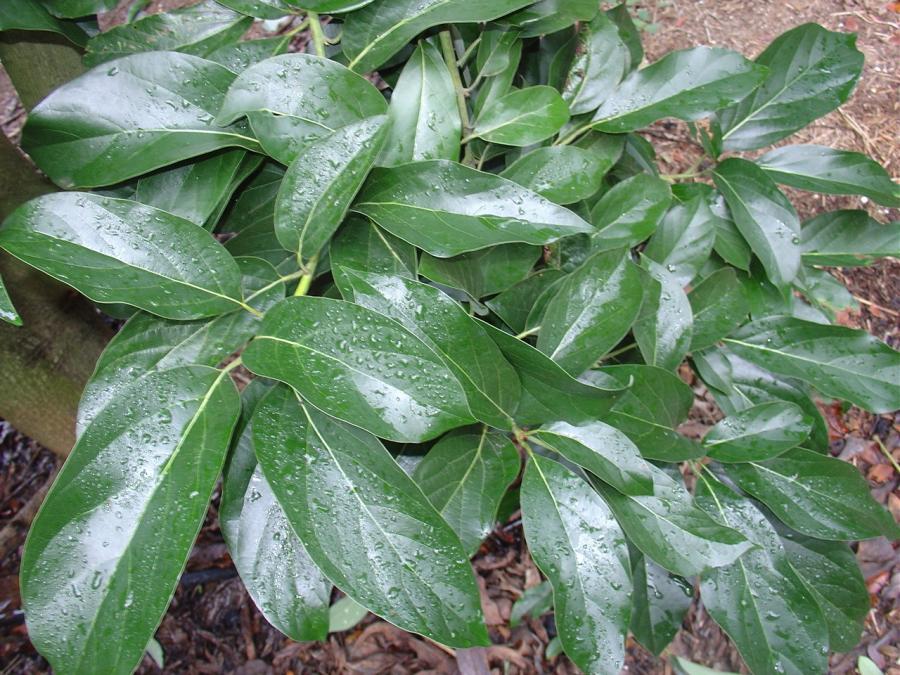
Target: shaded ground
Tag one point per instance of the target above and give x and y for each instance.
(213, 627)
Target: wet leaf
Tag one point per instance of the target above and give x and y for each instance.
(847, 239)
(523, 117)
(483, 272)
(758, 433)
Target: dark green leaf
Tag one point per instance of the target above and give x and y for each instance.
(365, 523)
(359, 366)
(104, 555)
(238, 56)
(688, 84)
(811, 71)
(498, 85)
(758, 433)
(848, 238)
(575, 541)
(839, 362)
(260, 9)
(255, 202)
(664, 326)
(483, 272)
(684, 239)
(424, 115)
(330, 6)
(360, 245)
(465, 476)
(533, 602)
(629, 212)
(824, 292)
(719, 305)
(628, 33)
(32, 16)
(661, 599)
(514, 304)
(116, 250)
(71, 9)
(592, 311)
(564, 174)
(600, 62)
(819, 496)
(522, 117)
(447, 208)
(496, 52)
(760, 601)
(764, 216)
(381, 29)
(129, 117)
(275, 569)
(8, 312)
(550, 16)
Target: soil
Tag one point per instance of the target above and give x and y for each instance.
(212, 625)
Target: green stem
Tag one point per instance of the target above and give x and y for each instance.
(315, 32)
(573, 135)
(617, 352)
(279, 280)
(526, 333)
(464, 59)
(306, 277)
(450, 59)
(250, 309)
(231, 366)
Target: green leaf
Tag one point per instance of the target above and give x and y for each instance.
(496, 51)
(848, 239)
(365, 523)
(330, 6)
(116, 250)
(685, 667)
(198, 30)
(514, 304)
(818, 496)
(238, 56)
(564, 174)
(764, 216)
(255, 201)
(276, 570)
(628, 34)
(359, 366)
(684, 238)
(811, 71)
(867, 666)
(669, 528)
(600, 61)
(523, 117)
(345, 614)
(660, 601)
(629, 212)
(129, 117)
(321, 183)
(283, 98)
(818, 168)
(483, 272)
(758, 433)
(465, 476)
(8, 311)
(760, 601)
(548, 392)
(498, 85)
(592, 311)
(719, 305)
(533, 602)
(447, 208)
(104, 555)
(664, 326)
(601, 449)
(830, 572)
(32, 16)
(549, 16)
(360, 245)
(575, 541)
(375, 33)
(840, 362)
(688, 84)
(72, 9)
(260, 9)
(423, 113)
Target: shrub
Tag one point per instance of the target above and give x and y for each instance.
(486, 271)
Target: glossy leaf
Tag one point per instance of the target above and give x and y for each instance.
(465, 476)
(116, 250)
(688, 84)
(575, 541)
(840, 362)
(523, 117)
(534, 602)
(515, 303)
(80, 139)
(483, 272)
(321, 183)
(661, 600)
(103, 557)
(362, 246)
(719, 305)
(375, 33)
(238, 56)
(600, 62)
(550, 16)
(758, 433)
(365, 523)
(818, 496)
(847, 239)
(628, 33)
(32, 16)
(359, 366)
(499, 85)
(683, 239)
(344, 614)
(564, 174)
(760, 601)
(592, 310)
(496, 51)
(811, 71)
(629, 212)
(447, 208)
(424, 117)
(8, 311)
(330, 6)
(276, 570)
(664, 326)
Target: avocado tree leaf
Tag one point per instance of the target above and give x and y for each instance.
(74, 9)
(758, 433)
(840, 362)
(760, 601)
(359, 366)
(362, 246)
(592, 311)
(465, 476)
(424, 116)
(131, 116)
(496, 51)
(522, 117)
(628, 34)
(329, 6)
(260, 9)
(579, 546)
(664, 326)
(446, 208)
(688, 84)
(515, 303)
(683, 239)
(550, 16)
(564, 174)
(8, 311)
(600, 61)
(811, 71)
(321, 183)
(764, 216)
(483, 272)
(107, 549)
(365, 523)
(718, 305)
(238, 56)
(847, 239)
(117, 250)
(33, 16)
(629, 212)
(818, 168)
(660, 601)
(382, 28)
(816, 495)
(284, 582)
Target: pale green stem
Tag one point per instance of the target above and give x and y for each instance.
(315, 32)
